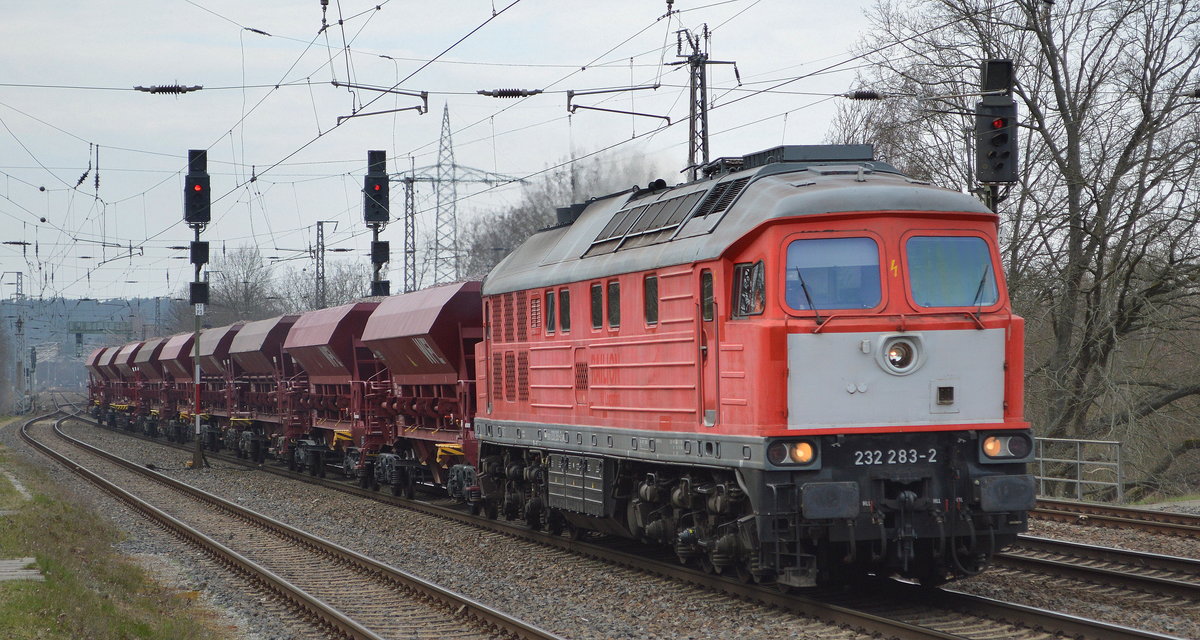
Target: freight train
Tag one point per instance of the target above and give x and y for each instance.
(799, 369)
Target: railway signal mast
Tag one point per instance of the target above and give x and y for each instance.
(197, 213)
(376, 213)
(996, 157)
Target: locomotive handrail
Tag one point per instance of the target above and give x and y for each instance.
(827, 320)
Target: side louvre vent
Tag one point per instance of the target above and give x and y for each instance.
(510, 377)
(523, 376)
(522, 319)
(581, 376)
(497, 377)
(497, 319)
(721, 197)
(535, 312)
(508, 317)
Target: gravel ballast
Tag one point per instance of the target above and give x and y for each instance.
(572, 596)
(568, 594)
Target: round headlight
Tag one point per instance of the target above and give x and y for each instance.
(1018, 446)
(777, 453)
(802, 452)
(900, 355)
(992, 446)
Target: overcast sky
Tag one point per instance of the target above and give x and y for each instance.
(268, 110)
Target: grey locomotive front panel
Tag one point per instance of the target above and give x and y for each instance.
(846, 380)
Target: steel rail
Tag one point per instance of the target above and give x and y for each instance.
(1137, 570)
(818, 607)
(461, 605)
(239, 563)
(1168, 522)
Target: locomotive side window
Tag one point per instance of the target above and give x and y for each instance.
(614, 304)
(951, 272)
(564, 309)
(749, 289)
(597, 305)
(650, 301)
(706, 296)
(550, 318)
(833, 273)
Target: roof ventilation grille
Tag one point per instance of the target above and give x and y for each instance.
(721, 197)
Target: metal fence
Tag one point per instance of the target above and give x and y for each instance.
(1085, 469)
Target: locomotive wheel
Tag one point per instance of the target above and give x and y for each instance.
(534, 521)
(574, 532)
(555, 523)
(396, 488)
(474, 508)
(291, 456)
(410, 485)
(490, 511)
(742, 572)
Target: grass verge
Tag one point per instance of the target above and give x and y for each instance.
(90, 591)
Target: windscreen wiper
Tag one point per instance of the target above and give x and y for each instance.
(976, 302)
(808, 298)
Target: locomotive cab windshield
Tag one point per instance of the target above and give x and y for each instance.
(951, 271)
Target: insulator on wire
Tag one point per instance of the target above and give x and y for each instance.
(509, 93)
(863, 94)
(168, 88)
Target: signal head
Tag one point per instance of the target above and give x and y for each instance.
(995, 145)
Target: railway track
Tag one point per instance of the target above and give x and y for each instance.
(342, 591)
(1162, 522)
(885, 608)
(1147, 573)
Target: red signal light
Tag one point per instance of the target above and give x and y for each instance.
(998, 123)
(376, 187)
(197, 188)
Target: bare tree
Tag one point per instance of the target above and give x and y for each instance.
(345, 282)
(1100, 236)
(240, 288)
(496, 234)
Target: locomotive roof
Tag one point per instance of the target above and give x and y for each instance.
(631, 231)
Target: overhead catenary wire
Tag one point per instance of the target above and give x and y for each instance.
(490, 120)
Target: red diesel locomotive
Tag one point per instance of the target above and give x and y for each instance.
(801, 368)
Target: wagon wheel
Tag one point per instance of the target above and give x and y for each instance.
(741, 570)
(410, 484)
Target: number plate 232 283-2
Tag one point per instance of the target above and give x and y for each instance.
(869, 457)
